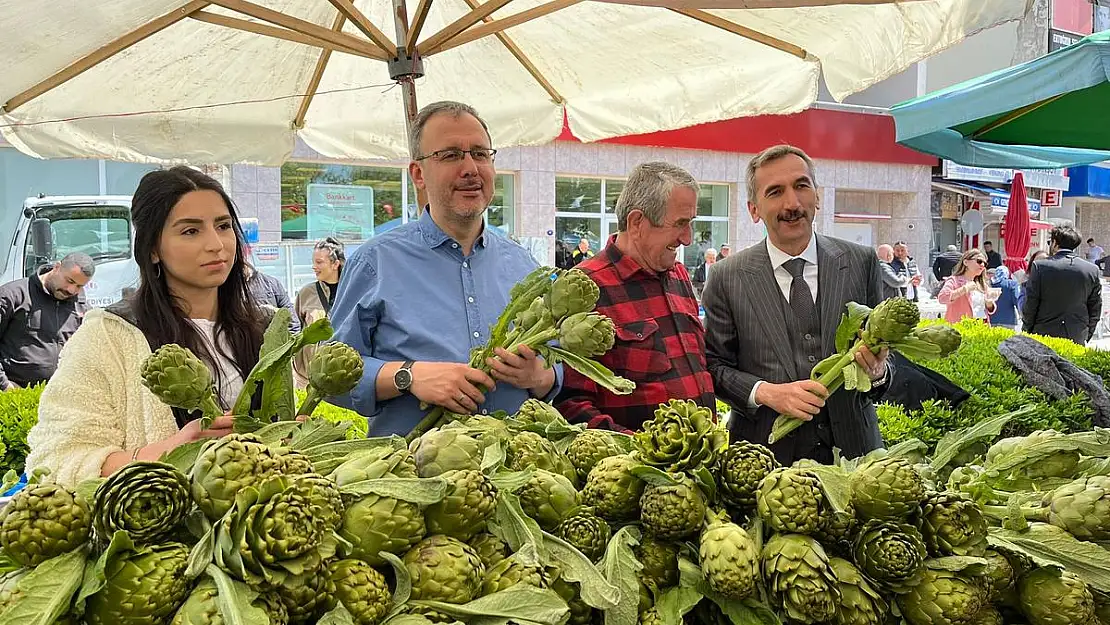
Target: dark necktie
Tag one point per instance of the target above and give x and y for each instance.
(801, 297)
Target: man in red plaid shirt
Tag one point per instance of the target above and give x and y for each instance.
(660, 342)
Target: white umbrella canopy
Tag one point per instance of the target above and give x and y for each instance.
(232, 81)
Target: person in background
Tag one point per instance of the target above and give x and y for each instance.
(37, 316)
(95, 414)
(315, 299)
(1006, 306)
(894, 285)
(1063, 295)
(994, 259)
(563, 257)
(725, 251)
(905, 265)
(1094, 251)
(945, 263)
(966, 292)
(702, 270)
(1022, 275)
(583, 251)
(269, 291)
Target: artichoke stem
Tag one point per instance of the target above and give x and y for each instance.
(1000, 513)
(312, 399)
(209, 410)
(428, 422)
(831, 380)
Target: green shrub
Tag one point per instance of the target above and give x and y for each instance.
(995, 388)
(359, 425)
(19, 411)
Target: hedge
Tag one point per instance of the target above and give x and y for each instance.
(19, 411)
(995, 388)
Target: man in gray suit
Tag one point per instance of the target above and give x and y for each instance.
(771, 314)
(1063, 295)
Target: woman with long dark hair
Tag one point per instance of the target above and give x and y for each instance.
(95, 415)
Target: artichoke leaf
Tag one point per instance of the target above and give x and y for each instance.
(87, 488)
(622, 571)
(834, 483)
(182, 457)
(675, 602)
(46, 591)
(653, 476)
(974, 566)
(493, 455)
(316, 431)
(824, 366)
(516, 529)
(235, 601)
(403, 584)
(850, 374)
(850, 324)
(339, 615)
(95, 578)
(424, 491)
(597, 592)
(917, 348)
(746, 612)
(954, 442)
(1048, 545)
(705, 481)
(592, 369)
(512, 481)
(519, 603)
(200, 556)
(404, 619)
(276, 432)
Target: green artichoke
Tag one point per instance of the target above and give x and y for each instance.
(572, 293)
(180, 379)
(529, 449)
(335, 369)
(1052, 596)
(589, 448)
(376, 523)
(512, 571)
(791, 501)
(325, 500)
(681, 437)
(470, 501)
(891, 321)
(537, 315)
(440, 451)
(739, 470)
(141, 587)
(836, 529)
(309, 597)
(799, 578)
(729, 559)
(953, 525)
(891, 554)
(888, 488)
(612, 490)
(585, 531)
(943, 598)
(43, 521)
(571, 592)
(587, 334)
(860, 602)
(271, 536)
(660, 561)
(944, 336)
(444, 569)
(987, 616)
(375, 464)
(673, 512)
(362, 590)
(1063, 463)
(226, 466)
(148, 500)
(1000, 574)
(534, 411)
(295, 463)
(548, 498)
(1081, 507)
(201, 607)
(490, 549)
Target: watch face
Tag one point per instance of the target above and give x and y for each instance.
(403, 379)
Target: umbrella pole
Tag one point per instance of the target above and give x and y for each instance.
(405, 68)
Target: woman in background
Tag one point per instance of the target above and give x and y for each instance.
(965, 292)
(314, 300)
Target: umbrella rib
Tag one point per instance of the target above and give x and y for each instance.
(524, 60)
(417, 23)
(492, 26)
(363, 23)
(736, 29)
(476, 14)
(104, 53)
(301, 26)
(280, 33)
(317, 75)
(1014, 115)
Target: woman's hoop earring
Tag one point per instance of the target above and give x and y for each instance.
(157, 270)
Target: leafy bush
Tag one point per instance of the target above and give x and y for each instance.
(359, 425)
(995, 388)
(19, 411)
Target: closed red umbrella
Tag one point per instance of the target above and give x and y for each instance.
(1017, 232)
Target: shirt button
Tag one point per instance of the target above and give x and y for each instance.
(812, 359)
(476, 335)
(455, 245)
(470, 299)
(809, 337)
(485, 411)
(639, 335)
(465, 264)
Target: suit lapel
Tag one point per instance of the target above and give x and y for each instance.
(767, 304)
(832, 267)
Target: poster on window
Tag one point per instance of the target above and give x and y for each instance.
(340, 211)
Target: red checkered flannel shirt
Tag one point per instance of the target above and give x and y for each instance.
(660, 345)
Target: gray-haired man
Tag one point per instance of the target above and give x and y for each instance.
(37, 316)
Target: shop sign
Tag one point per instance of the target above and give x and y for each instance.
(343, 211)
(1050, 198)
(1038, 178)
(265, 253)
(1001, 203)
(1058, 39)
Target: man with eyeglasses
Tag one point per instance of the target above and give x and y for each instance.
(416, 300)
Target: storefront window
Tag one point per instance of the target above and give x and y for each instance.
(349, 202)
(711, 225)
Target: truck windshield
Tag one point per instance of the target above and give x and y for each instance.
(103, 232)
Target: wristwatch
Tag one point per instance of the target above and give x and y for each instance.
(402, 379)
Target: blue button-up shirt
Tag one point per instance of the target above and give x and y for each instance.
(411, 294)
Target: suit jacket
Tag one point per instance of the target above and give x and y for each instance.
(1063, 297)
(746, 340)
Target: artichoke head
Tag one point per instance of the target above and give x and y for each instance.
(43, 521)
(362, 590)
(790, 501)
(470, 501)
(681, 437)
(891, 321)
(836, 529)
(672, 512)
(226, 466)
(586, 532)
(729, 559)
(537, 315)
(512, 571)
(376, 523)
(529, 449)
(1052, 596)
(144, 586)
(440, 451)
(177, 377)
(573, 292)
(860, 602)
(587, 334)
(589, 448)
(891, 554)
(444, 569)
(371, 465)
(548, 498)
(944, 336)
(1082, 507)
(309, 597)
(1000, 574)
(660, 560)
(943, 598)
(800, 579)
(953, 525)
(888, 488)
(612, 490)
(335, 369)
(571, 592)
(489, 548)
(739, 469)
(534, 411)
(148, 500)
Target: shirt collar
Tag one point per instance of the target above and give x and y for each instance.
(779, 257)
(434, 236)
(624, 264)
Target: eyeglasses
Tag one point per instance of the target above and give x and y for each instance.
(454, 155)
(982, 263)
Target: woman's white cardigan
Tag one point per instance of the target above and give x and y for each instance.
(96, 404)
